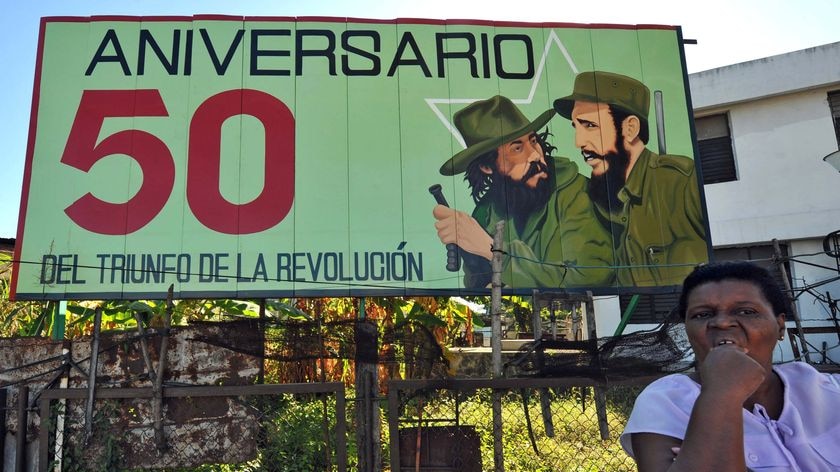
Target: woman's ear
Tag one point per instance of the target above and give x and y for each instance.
(781, 320)
(487, 170)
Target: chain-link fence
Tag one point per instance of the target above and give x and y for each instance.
(441, 425)
(299, 427)
(541, 425)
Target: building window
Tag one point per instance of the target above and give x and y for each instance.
(655, 308)
(760, 255)
(715, 146)
(650, 308)
(834, 105)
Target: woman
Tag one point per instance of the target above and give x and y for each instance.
(737, 411)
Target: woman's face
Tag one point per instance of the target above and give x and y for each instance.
(732, 311)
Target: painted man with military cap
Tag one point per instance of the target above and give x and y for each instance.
(552, 238)
(649, 202)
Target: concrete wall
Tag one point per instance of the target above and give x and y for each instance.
(35, 362)
(784, 189)
(766, 77)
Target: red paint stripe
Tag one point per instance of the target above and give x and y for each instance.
(66, 19)
(419, 21)
(332, 19)
(270, 18)
(370, 21)
(214, 17)
(127, 18)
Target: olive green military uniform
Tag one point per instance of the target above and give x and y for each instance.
(560, 245)
(659, 234)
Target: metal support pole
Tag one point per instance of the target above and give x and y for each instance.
(23, 419)
(777, 255)
(628, 312)
(832, 305)
(59, 312)
(94, 359)
(601, 412)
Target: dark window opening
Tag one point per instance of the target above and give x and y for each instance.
(714, 143)
(834, 105)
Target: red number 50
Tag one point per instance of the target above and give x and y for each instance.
(158, 168)
(148, 151)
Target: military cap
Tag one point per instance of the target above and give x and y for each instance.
(618, 90)
(486, 125)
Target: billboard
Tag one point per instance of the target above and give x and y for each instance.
(263, 157)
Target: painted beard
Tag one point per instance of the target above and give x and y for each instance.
(603, 189)
(515, 198)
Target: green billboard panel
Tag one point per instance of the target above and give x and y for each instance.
(265, 157)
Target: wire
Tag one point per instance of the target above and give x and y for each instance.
(32, 364)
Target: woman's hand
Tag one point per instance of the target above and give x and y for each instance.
(728, 371)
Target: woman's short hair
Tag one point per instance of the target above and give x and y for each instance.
(735, 270)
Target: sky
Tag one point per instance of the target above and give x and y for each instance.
(727, 32)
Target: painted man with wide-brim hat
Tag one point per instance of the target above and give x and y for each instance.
(552, 237)
(650, 202)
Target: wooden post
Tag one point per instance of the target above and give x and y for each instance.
(498, 447)
(58, 448)
(44, 438)
(496, 344)
(261, 328)
(496, 300)
(536, 320)
(94, 360)
(3, 394)
(367, 389)
(23, 420)
(144, 345)
(157, 388)
(394, 427)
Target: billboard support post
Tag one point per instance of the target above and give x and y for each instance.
(496, 343)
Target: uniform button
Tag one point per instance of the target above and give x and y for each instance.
(753, 457)
(632, 259)
(623, 218)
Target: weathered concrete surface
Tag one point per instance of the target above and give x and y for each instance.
(218, 428)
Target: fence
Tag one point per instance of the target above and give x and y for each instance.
(259, 427)
(561, 424)
(569, 424)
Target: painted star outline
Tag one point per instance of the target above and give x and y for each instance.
(552, 39)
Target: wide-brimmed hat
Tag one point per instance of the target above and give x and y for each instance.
(486, 125)
(618, 90)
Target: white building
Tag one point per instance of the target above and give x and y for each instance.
(763, 128)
